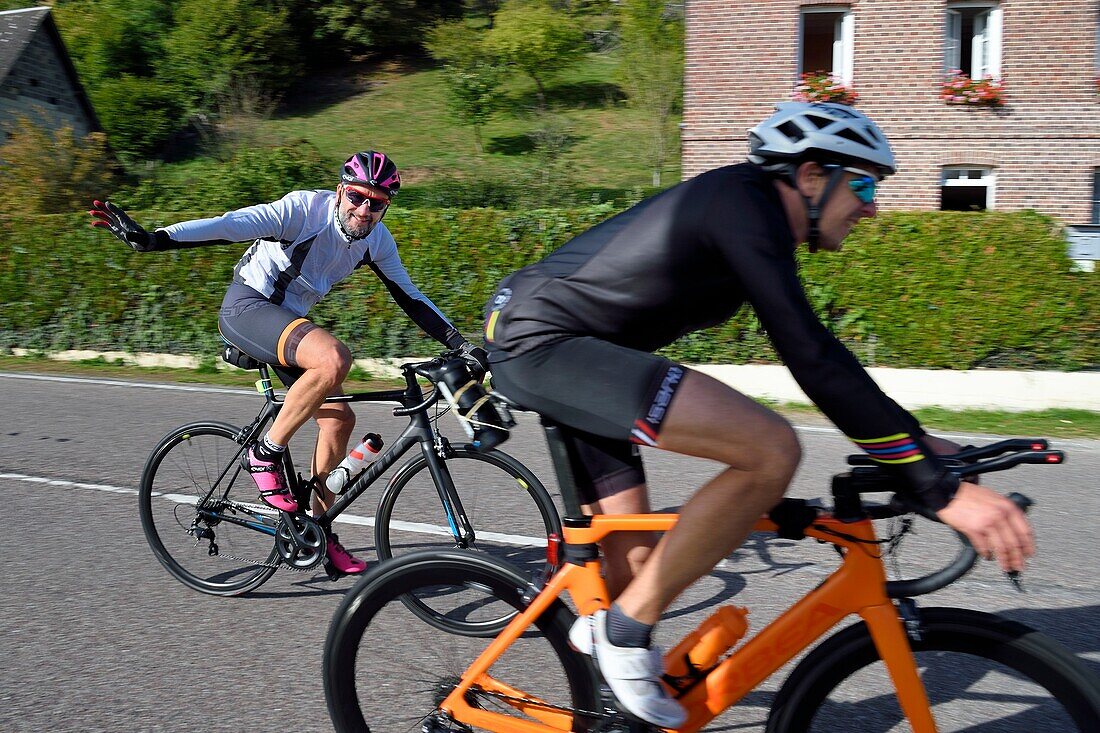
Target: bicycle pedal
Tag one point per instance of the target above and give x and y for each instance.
(332, 572)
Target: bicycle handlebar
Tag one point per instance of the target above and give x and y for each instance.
(428, 369)
(865, 478)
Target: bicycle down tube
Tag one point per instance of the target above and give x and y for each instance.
(857, 587)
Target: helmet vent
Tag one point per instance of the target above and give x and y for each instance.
(820, 122)
(870, 132)
(792, 131)
(849, 134)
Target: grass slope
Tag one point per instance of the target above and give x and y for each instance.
(402, 109)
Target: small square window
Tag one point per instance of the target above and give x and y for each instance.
(963, 188)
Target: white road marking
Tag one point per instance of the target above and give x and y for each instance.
(228, 391)
(417, 527)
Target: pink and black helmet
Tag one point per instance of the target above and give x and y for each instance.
(372, 168)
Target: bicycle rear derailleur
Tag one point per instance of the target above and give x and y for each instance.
(300, 541)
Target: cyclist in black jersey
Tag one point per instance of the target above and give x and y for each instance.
(305, 243)
(571, 338)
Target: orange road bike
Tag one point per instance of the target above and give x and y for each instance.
(899, 668)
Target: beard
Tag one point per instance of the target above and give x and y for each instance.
(355, 228)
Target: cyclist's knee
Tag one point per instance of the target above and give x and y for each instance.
(333, 363)
(781, 451)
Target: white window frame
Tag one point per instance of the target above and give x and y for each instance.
(843, 41)
(986, 177)
(985, 56)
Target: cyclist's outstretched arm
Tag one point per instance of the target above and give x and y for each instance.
(274, 220)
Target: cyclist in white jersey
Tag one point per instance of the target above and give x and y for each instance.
(304, 244)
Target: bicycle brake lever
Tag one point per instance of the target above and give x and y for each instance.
(1014, 577)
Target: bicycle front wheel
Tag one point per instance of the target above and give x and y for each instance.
(981, 672)
(201, 514)
(385, 672)
(508, 508)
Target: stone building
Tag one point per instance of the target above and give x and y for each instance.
(1040, 149)
(37, 78)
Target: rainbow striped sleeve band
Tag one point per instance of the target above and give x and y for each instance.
(893, 449)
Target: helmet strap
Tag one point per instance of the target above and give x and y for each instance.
(813, 211)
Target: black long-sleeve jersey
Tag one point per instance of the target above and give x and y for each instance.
(687, 259)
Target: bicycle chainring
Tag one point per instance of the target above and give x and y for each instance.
(302, 547)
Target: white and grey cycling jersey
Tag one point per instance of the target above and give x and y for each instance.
(300, 252)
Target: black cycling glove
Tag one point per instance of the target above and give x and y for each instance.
(116, 220)
(476, 358)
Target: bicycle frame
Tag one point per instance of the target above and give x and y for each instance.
(418, 431)
(856, 587)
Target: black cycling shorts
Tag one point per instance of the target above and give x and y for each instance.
(263, 330)
(608, 399)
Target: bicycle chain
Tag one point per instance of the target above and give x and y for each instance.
(259, 563)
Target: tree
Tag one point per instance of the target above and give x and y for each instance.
(212, 48)
(652, 67)
(373, 26)
(535, 38)
(139, 114)
(473, 77)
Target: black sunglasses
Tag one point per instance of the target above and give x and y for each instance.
(357, 199)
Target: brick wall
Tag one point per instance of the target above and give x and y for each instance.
(38, 87)
(1043, 145)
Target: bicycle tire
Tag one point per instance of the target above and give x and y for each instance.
(501, 517)
(180, 470)
(380, 592)
(946, 635)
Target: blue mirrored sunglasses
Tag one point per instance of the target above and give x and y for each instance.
(864, 188)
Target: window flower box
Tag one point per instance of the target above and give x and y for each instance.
(959, 88)
(821, 86)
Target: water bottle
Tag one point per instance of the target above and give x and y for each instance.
(478, 415)
(367, 450)
(700, 650)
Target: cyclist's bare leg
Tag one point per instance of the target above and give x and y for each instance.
(710, 420)
(326, 361)
(623, 552)
(335, 423)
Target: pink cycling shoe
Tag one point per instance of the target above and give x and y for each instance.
(341, 559)
(270, 481)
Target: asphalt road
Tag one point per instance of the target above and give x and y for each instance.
(96, 636)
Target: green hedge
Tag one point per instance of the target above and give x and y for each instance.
(910, 289)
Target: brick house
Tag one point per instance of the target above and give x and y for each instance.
(1040, 149)
(37, 78)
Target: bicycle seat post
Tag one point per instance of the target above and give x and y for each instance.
(559, 455)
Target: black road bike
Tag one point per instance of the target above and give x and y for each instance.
(201, 513)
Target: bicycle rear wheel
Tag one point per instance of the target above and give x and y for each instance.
(385, 672)
(982, 673)
(195, 501)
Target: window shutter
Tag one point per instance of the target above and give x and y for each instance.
(980, 47)
(953, 40)
(993, 42)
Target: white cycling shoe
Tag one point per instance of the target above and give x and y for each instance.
(632, 673)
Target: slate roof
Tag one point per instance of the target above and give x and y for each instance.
(17, 28)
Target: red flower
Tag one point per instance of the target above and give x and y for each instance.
(821, 86)
(959, 88)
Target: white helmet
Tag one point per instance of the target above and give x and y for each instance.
(824, 132)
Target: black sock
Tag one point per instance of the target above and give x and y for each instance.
(625, 631)
(268, 450)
